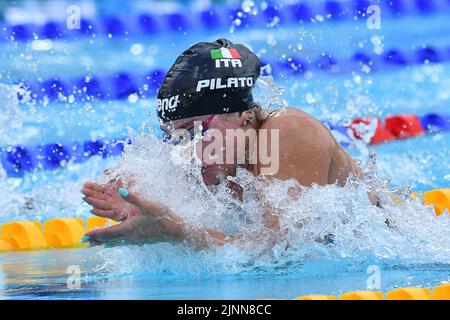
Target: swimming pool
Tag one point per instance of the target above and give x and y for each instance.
(417, 255)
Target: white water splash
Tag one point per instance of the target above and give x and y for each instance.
(10, 114)
(400, 233)
(323, 223)
(358, 229)
(268, 94)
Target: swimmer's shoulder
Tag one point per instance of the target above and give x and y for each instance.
(304, 147)
(289, 116)
(296, 123)
(283, 114)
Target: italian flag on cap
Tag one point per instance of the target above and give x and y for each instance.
(224, 53)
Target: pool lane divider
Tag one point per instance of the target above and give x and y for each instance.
(441, 292)
(214, 18)
(54, 233)
(62, 233)
(374, 130)
(18, 160)
(439, 198)
(132, 85)
(68, 232)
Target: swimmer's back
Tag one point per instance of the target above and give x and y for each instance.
(308, 151)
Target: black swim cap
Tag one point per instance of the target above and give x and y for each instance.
(209, 78)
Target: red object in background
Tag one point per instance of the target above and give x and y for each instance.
(404, 126)
(381, 133)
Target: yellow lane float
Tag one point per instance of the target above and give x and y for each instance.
(440, 199)
(316, 297)
(23, 235)
(441, 292)
(5, 246)
(63, 232)
(409, 294)
(362, 295)
(55, 233)
(95, 222)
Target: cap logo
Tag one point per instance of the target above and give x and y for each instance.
(226, 57)
(168, 104)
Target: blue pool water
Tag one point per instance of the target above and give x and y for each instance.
(417, 253)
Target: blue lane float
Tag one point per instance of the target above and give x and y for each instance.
(87, 88)
(434, 122)
(122, 84)
(216, 17)
(18, 160)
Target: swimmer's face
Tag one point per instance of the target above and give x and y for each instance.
(217, 161)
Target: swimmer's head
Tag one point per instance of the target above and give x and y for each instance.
(209, 78)
(210, 84)
(224, 141)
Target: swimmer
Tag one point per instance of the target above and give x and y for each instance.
(209, 88)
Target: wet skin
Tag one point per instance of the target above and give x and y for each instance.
(308, 153)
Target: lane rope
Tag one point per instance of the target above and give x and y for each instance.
(68, 232)
(21, 159)
(187, 18)
(62, 233)
(127, 85)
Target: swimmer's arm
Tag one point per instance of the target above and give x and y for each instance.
(155, 222)
(205, 238)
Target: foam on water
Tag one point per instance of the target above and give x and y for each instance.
(10, 114)
(10, 124)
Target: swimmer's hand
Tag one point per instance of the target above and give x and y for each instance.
(148, 221)
(106, 201)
